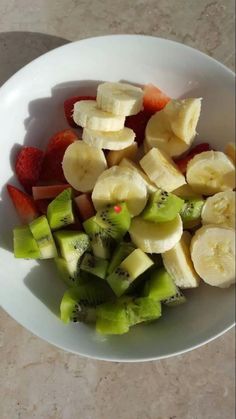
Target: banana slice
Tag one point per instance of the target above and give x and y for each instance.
(87, 115)
(110, 140)
(186, 191)
(161, 170)
(155, 237)
(82, 164)
(213, 255)
(220, 209)
(159, 134)
(151, 187)
(183, 116)
(211, 172)
(120, 98)
(231, 152)
(179, 265)
(119, 184)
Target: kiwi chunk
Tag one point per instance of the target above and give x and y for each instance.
(177, 299)
(115, 219)
(69, 271)
(112, 319)
(143, 309)
(162, 206)
(60, 211)
(72, 244)
(94, 265)
(42, 233)
(191, 211)
(25, 245)
(122, 250)
(130, 268)
(160, 286)
(101, 242)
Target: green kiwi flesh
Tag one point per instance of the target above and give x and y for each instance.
(162, 206)
(42, 233)
(25, 245)
(143, 309)
(160, 286)
(101, 242)
(68, 271)
(94, 265)
(191, 210)
(72, 244)
(115, 219)
(122, 250)
(176, 300)
(112, 319)
(60, 211)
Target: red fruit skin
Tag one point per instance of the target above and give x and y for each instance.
(69, 106)
(138, 124)
(28, 167)
(154, 99)
(183, 163)
(24, 204)
(51, 170)
(85, 206)
(48, 192)
(42, 205)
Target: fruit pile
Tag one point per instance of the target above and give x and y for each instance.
(128, 227)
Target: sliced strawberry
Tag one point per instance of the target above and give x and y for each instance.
(47, 192)
(85, 206)
(52, 162)
(42, 205)
(182, 163)
(28, 166)
(24, 204)
(69, 106)
(154, 99)
(138, 124)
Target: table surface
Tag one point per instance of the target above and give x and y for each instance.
(41, 381)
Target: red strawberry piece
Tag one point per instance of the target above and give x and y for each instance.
(52, 162)
(154, 99)
(42, 205)
(85, 206)
(69, 106)
(182, 163)
(28, 166)
(24, 204)
(47, 192)
(138, 124)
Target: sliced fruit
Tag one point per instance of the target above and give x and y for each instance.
(220, 209)
(155, 237)
(47, 192)
(69, 107)
(183, 163)
(115, 219)
(24, 204)
(185, 191)
(120, 98)
(42, 234)
(94, 265)
(191, 210)
(60, 212)
(138, 124)
(178, 263)
(114, 157)
(25, 246)
(143, 309)
(109, 140)
(211, 172)
(42, 205)
(161, 170)
(72, 244)
(85, 206)
(159, 134)
(120, 184)
(130, 268)
(183, 115)
(213, 255)
(231, 152)
(87, 115)
(122, 250)
(102, 243)
(82, 165)
(162, 206)
(176, 300)
(154, 99)
(112, 319)
(69, 271)
(125, 162)
(160, 286)
(28, 167)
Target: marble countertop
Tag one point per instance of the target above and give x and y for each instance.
(40, 381)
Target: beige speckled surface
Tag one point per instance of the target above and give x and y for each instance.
(40, 381)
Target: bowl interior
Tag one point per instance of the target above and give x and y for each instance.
(31, 109)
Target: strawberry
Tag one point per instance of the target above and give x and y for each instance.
(154, 99)
(85, 206)
(182, 163)
(138, 124)
(24, 204)
(47, 192)
(69, 106)
(52, 162)
(28, 166)
(42, 205)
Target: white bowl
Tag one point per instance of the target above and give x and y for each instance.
(31, 109)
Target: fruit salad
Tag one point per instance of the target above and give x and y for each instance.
(130, 211)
